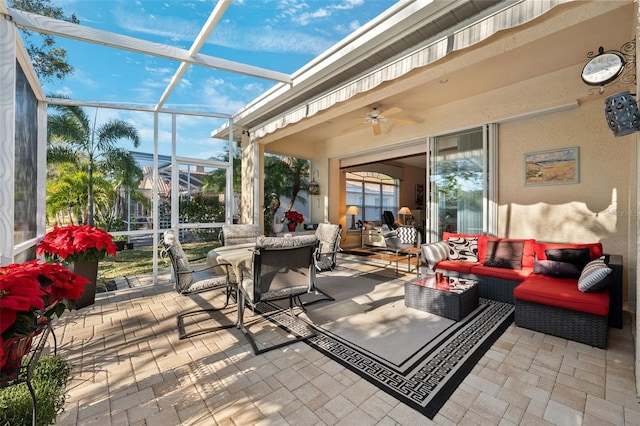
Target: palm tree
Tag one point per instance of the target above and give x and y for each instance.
(296, 178)
(70, 131)
(216, 181)
(282, 176)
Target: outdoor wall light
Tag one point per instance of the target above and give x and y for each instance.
(621, 111)
(353, 211)
(404, 212)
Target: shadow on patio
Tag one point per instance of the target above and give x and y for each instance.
(129, 367)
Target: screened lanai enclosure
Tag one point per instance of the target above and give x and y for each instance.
(192, 195)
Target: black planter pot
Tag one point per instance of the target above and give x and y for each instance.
(89, 270)
(119, 245)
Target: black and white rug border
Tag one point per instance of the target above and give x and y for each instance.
(436, 375)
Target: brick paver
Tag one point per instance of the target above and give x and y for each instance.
(130, 368)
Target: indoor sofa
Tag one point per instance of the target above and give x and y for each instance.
(572, 291)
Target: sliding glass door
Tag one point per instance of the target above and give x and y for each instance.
(457, 183)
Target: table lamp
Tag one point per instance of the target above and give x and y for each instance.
(353, 211)
(404, 211)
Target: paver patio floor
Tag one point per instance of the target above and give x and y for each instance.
(129, 368)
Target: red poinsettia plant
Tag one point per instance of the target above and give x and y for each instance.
(32, 292)
(75, 243)
(293, 216)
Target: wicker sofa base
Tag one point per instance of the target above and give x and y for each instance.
(581, 327)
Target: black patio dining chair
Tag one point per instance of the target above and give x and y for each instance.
(281, 269)
(189, 281)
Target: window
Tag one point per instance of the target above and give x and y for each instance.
(460, 190)
(372, 193)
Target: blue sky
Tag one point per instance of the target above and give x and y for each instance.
(280, 35)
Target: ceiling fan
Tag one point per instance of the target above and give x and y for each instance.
(376, 116)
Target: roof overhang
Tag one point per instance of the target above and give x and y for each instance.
(402, 28)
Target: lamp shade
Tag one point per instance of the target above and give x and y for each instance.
(621, 111)
(404, 210)
(353, 210)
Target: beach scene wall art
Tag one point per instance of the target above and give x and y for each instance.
(558, 166)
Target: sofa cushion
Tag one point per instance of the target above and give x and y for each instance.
(528, 251)
(456, 265)
(595, 249)
(504, 254)
(504, 273)
(554, 268)
(562, 293)
(482, 241)
(463, 249)
(595, 276)
(578, 256)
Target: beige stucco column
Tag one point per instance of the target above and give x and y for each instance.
(637, 215)
(250, 172)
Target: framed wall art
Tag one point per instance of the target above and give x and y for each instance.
(553, 167)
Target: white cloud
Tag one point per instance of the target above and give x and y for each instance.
(305, 18)
(84, 79)
(217, 100)
(171, 27)
(269, 39)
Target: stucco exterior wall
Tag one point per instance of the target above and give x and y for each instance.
(598, 208)
(538, 107)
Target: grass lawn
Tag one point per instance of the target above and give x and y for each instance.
(140, 261)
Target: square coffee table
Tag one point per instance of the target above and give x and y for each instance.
(453, 300)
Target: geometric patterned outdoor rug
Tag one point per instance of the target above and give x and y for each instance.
(429, 371)
(430, 381)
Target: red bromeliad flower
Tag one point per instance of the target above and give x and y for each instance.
(294, 217)
(74, 243)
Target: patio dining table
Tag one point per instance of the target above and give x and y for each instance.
(240, 255)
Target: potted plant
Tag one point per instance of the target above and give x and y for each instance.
(120, 242)
(30, 294)
(80, 246)
(293, 219)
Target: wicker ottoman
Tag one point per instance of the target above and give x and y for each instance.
(454, 301)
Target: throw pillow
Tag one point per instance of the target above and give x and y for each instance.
(594, 276)
(578, 256)
(407, 234)
(553, 268)
(504, 254)
(465, 249)
(434, 253)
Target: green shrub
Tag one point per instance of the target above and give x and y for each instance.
(49, 381)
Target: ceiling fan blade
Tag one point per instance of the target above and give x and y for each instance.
(401, 121)
(376, 129)
(391, 111)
